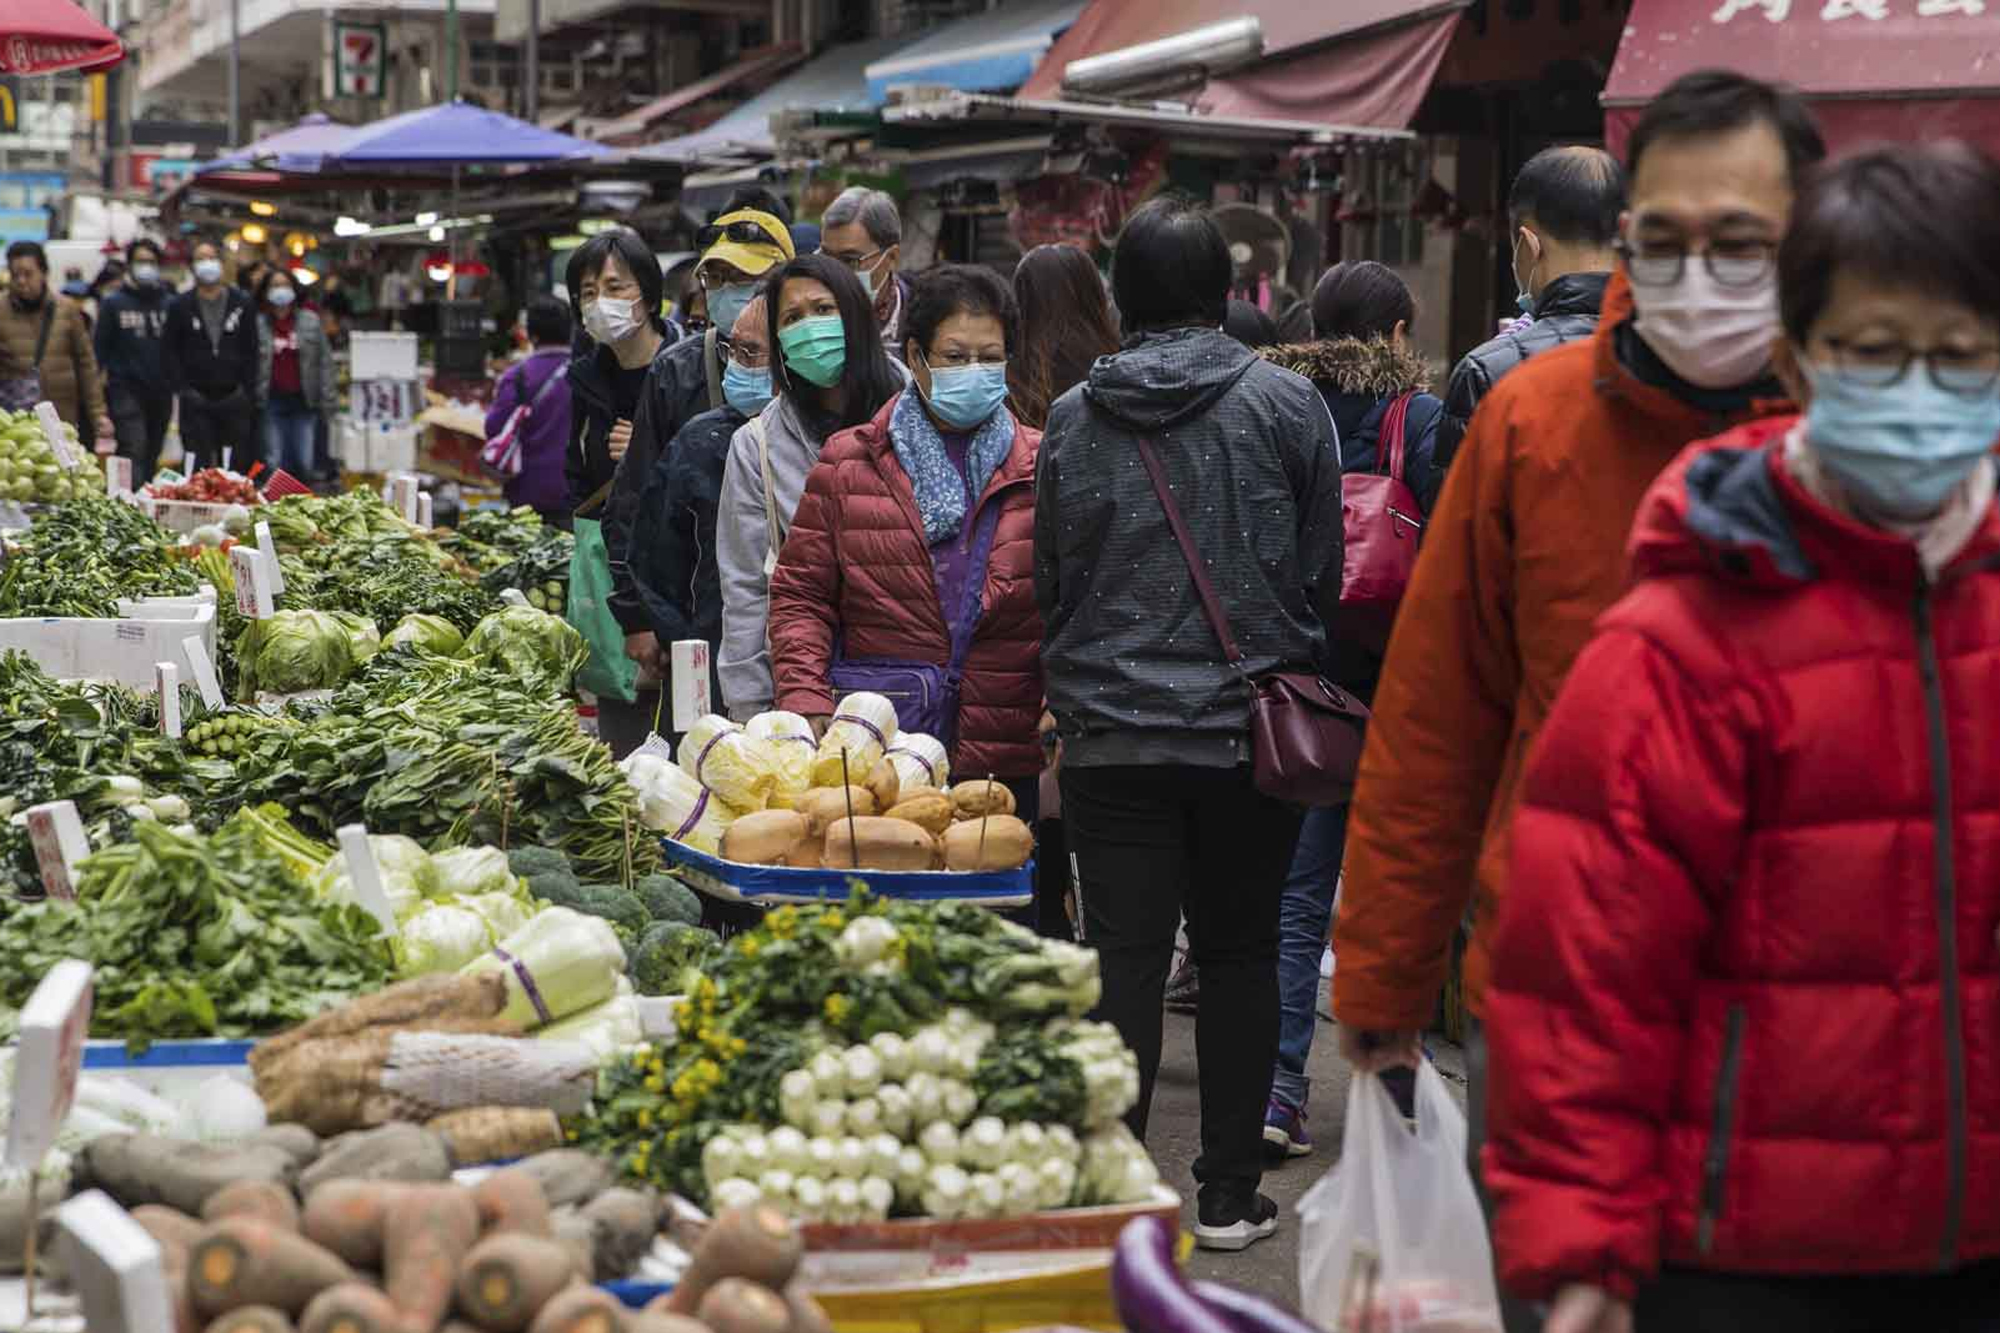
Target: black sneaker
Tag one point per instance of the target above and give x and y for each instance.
(1229, 1222)
(1184, 988)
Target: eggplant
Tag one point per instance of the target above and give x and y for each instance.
(1146, 1284)
(1247, 1313)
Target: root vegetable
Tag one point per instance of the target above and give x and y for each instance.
(884, 784)
(823, 805)
(346, 1218)
(400, 1151)
(481, 996)
(244, 1261)
(300, 1143)
(764, 838)
(981, 796)
(756, 1243)
(352, 1307)
(254, 1198)
(807, 1314)
(930, 811)
(568, 1175)
(424, 1242)
(512, 1200)
(252, 1319)
(496, 1133)
(879, 844)
(580, 1310)
(994, 842)
(738, 1305)
(175, 1231)
(506, 1279)
(623, 1223)
(569, 1228)
(136, 1169)
(655, 1319)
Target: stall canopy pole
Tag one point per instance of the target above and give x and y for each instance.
(531, 95)
(451, 50)
(235, 73)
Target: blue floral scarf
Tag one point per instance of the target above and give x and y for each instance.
(942, 496)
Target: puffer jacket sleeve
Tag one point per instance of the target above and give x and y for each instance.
(1443, 714)
(1630, 819)
(266, 350)
(1321, 531)
(329, 374)
(1468, 384)
(1048, 566)
(89, 382)
(805, 597)
(743, 663)
(660, 567)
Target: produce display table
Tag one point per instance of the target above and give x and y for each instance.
(769, 886)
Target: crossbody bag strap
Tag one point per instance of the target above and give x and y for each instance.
(1218, 620)
(983, 530)
(711, 367)
(774, 536)
(48, 323)
(1389, 438)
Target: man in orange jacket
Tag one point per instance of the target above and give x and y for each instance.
(1526, 545)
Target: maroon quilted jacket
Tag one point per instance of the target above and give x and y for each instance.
(856, 561)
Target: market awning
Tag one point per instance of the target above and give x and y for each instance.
(765, 60)
(1872, 69)
(988, 53)
(1354, 62)
(54, 37)
(1176, 124)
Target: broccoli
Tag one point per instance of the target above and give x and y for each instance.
(669, 956)
(667, 899)
(615, 905)
(530, 861)
(558, 890)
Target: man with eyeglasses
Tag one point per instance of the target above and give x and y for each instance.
(863, 230)
(1527, 546)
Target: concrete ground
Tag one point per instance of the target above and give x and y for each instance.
(1271, 1267)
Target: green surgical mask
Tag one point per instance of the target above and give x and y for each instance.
(816, 349)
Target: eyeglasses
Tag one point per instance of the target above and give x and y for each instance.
(955, 359)
(859, 263)
(746, 357)
(744, 232)
(1730, 263)
(1881, 365)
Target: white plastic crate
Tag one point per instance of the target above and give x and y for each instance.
(392, 450)
(183, 516)
(350, 443)
(122, 650)
(382, 356)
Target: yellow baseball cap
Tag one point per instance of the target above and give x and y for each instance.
(748, 240)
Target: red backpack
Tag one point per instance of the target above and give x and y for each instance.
(1382, 525)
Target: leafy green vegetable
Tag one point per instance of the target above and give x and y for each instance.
(472, 870)
(80, 558)
(615, 905)
(430, 634)
(294, 651)
(537, 649)
(527, 861)
(667, 899)
(666, 952)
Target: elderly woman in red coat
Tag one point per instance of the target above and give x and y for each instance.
(911, 556)
(1745, 1005)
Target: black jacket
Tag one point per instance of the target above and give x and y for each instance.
(190, 363)
(587, 462)
(1566, 310)
(1134, 673)
(686, 380)
(130, 323)
(673, 566)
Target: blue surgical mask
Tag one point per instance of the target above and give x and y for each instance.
(726, 303)
(746, 390)
(145, 274)
(1898, 451)
(208, 271)
(963, 397)
(282, 297)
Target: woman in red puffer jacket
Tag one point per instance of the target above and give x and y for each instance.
(921, 523)
(1745, 1006)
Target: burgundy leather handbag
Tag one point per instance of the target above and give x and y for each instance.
(1381, 526)
(1305, 732)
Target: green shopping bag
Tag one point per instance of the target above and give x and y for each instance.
(609, 674)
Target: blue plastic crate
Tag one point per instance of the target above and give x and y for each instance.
(771, 885)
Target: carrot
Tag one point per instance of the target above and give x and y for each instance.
(807, 1314)
(507, 1277)
(581, 1310)
(423, 1243)
(738, 1305)
(351, 1307)
(755, 1243)
(185, 1319)
(253, 1198)
(346, 1217)
(174, 1230)
(252, 1319)
(245, 1261)
(512, 1200)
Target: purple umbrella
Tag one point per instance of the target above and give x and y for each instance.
(300, 149)
(457, 134)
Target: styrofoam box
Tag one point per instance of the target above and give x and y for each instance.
(123, 650)
(350, 443)
(393, 450)
(382, 356)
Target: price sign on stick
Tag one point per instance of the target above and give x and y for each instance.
(269, 550)
(690, 684)
(56, 832)
(118, 1270)
(167, 679)
(253, 587)
(424, 509)
(405, 489)
(52, 427)
(369, 890)
(54, 1023)
(117, 475)
(204, 671)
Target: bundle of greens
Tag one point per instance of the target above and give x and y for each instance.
(536, 650)
(80, 558)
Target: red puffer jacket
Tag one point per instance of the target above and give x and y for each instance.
(856, 562)
(1745, 1005)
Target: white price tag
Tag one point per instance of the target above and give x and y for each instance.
(406, 493)
(54, 1025)
(424, 509)
(204, 671)
(689, 660)
(269, 550)
(56, 831)
(117, 475)
(167, 677)
(367, 876)
(117, 1268)
(52, 427)
(253, 588)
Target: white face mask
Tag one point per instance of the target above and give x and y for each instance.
(610, 320)
(208, 272)
(1712, 336)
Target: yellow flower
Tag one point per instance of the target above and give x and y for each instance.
(747, 945)
(646, 1117)
(834, 919)
(656, 1083)
(782, 922)
(837, 1007)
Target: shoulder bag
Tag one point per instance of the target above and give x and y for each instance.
(20, 393)
(1305, 732)
(1381, 527)
(502, 453)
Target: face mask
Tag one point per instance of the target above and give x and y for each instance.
(1898, 451)
(145, 274)
(208, 272)
(610, 321)
(746, 390)
(1525, 302)
(963, 397)
(1712, 336)
(816, 349)
(873, 277)
(726, 303)
(283, 296)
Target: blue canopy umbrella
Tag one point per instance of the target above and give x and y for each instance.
(299, 149)
(457, 134)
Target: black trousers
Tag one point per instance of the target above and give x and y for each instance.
(1150, 842)
(215, 431)
(1964, 1301)
(139, 418)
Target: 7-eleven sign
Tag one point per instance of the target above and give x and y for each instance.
(359, 58)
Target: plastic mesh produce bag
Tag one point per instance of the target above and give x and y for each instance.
(673, 803)
(791, 740)
(920, 762)
(864, 725)
(1391, 1239)
(727, 760)
(427, 1073)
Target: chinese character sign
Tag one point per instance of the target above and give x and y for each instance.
(360, 58)
(1834, 11)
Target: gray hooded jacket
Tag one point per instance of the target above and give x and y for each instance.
(1135, 675)
(742, 540)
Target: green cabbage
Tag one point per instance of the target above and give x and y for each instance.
(443, 937)
(465, 870)
(504, 913)
(429, 634)
(539, 650)
(407, 874)
(363, 638)
(294, 651)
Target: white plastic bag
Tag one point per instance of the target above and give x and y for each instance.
(1391, 1239)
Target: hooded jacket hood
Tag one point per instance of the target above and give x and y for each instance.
(1158, 380)
(1371, 367)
